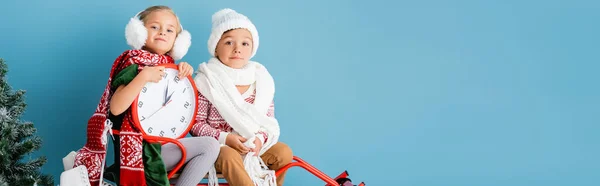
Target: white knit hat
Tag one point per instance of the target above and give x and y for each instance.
(227, 19)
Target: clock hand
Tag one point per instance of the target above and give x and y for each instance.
(166, 92)
(154, 112)
(167, 100)
(169, 97)
(159, 109)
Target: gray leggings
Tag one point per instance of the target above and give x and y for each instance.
(201, 154)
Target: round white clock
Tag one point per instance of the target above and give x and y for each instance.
(167, 108)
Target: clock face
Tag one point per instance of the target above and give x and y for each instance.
(167, 108)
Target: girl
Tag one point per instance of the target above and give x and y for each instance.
(236, 101)
(157, 38)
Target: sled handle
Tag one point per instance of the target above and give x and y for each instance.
(301, 163)
(183, 154)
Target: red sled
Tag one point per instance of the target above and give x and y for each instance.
(340, 180)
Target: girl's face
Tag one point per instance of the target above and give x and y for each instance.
(162, 30)
(234, 48)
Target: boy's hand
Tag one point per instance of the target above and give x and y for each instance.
(152, 73)
(258, 146)
(236, 142)
(185, 69)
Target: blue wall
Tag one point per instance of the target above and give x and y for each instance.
(416, 93)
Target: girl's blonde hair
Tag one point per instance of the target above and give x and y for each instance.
(152, 9)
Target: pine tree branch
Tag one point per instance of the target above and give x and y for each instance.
(26, 173)
(3, 180)
(15, 103)
(4, 155)
(42, 179)
(3, 68)
(8, 131)
(45, 180)
(27, 146)
(30, 167)
(25, 129)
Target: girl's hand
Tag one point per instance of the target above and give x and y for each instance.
(152, 74)
(236, 142)
(185, 70)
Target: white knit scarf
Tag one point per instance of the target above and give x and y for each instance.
(217, 82)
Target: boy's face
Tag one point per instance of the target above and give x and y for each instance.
(234, 48)
(162, 30)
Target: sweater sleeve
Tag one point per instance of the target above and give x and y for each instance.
(125, 76)
(271, 110)
(270, 113)
(202, 127)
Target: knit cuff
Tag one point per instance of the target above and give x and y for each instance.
(223, 137)
(262, 136)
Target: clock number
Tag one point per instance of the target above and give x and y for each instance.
(144, 90)
(182, 119)
(140, 104)
(162, 133)
(176, 79)
(186, 104)
(150, 130)
(143, 118)
(173, 129)
(184, 90)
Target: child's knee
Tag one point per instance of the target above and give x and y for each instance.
(214, 149)
(213, 145)
(281, 152)
(285, 153)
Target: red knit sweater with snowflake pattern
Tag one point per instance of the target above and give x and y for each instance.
(210, 123)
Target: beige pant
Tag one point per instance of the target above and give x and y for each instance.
(231, 165)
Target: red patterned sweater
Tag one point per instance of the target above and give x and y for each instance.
(210, 123)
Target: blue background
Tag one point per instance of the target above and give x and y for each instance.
(417, 93)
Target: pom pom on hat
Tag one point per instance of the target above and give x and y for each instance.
(228, 19)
